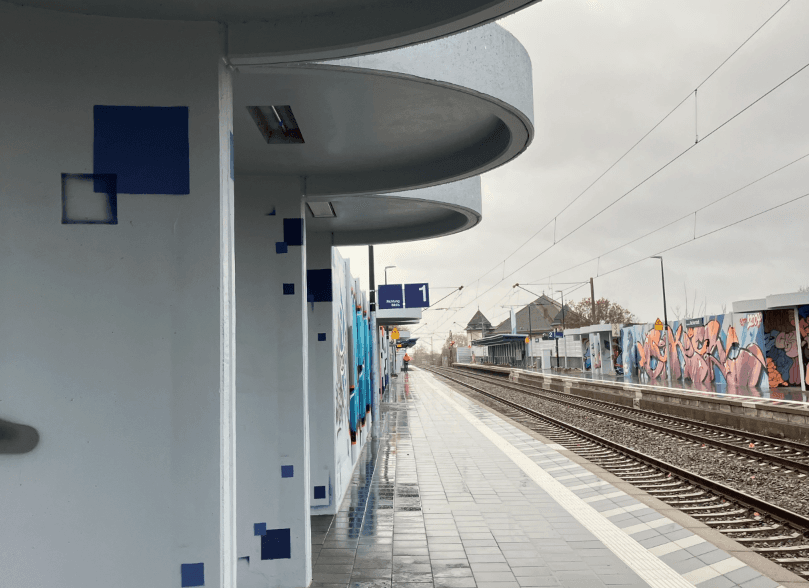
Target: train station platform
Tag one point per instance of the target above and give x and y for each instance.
(449, 494)
(765, 414)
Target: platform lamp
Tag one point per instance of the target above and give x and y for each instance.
(563, 323)
(555, 326)
(387, 267)
(665, 315)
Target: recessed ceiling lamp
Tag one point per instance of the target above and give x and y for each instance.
(321, 209)
(276, 123)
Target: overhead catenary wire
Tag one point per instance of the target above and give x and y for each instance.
(675, 221)
(722, 228)
(634, 145)
(641, 183)
(556, 240)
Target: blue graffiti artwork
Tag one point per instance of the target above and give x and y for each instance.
(587, 358)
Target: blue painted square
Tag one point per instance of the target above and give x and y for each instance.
(146, 146)
(321, 336)
(318, 284)
(276, 544)
(289, 289)
(192, 574)
(320, 492)
(280, 247)
(293, 231)
(310, 298)
(259, 528)
(287, 471)
(102, 184)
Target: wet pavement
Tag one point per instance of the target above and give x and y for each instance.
(444, 496)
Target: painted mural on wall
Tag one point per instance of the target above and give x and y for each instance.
(585, 344)
(781, 344)
(727, 350)
(340, 342)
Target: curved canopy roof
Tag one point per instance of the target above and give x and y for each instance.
(405, 119)
(277, 31)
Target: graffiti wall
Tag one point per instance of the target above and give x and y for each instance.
(781, 343)
(586, 354)
(340, 339)
(726, 350)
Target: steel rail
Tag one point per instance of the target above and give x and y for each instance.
(725, 446)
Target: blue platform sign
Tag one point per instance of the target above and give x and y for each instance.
(417, 295)
(390, 296)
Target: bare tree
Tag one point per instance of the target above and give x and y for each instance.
(581, 313)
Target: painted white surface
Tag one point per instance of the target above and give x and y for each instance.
(401, 120)
(323, 385)
(227, 352)
(109, 334)
(271, 380)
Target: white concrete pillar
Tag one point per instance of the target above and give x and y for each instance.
(327, 415)
(273, 489)
(114, 337)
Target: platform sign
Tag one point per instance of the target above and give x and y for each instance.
(658, 325)
(394, 334)
(527, 340)
(693, 323)
(390, 296)
(417, 295)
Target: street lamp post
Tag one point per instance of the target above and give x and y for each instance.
(665, 316)
(563, 326)
(387, 267)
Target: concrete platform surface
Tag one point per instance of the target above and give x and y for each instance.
(450, 495)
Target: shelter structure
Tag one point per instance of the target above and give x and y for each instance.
(169, 166)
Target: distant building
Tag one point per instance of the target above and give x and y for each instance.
(479, 326)
(537, 317)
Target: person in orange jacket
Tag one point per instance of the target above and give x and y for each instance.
(406, 360)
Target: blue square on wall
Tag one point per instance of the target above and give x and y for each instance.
(276, 544)
(293, 231)
(145, 146)
(321, 336)
(192, 574)
(280, 247)
(287, 471)
(289, 289)
(320, 492)
(259, 528)
(318, 284)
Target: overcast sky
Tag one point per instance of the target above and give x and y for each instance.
(604, 73)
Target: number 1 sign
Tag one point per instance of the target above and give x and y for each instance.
(417, 295)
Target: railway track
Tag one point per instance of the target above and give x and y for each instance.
(778, 453)
(770, 530)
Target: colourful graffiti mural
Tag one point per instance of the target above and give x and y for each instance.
(781, 344)
(340, 338)
(586, 362)
(726, 350)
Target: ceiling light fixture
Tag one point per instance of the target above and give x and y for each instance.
(321, 209)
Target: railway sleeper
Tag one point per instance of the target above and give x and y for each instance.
(775, 539)
(658, 486)
(733, 522)
(674, 493)
(794, 561)
(729, 513)
(751, 529)
(782, 549)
